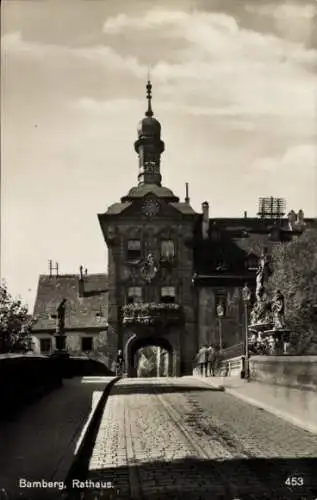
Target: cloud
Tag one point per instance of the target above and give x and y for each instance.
(217, 34)
(294, 21)
(302, 157)
(13, 44)
(221, 69)
(238, 70)
(285, 11)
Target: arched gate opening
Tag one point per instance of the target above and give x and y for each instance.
(164, 353)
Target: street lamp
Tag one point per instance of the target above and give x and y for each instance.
(220, 313)
(246, 296)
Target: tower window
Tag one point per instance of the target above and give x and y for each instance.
(86, 344)
(134, 295)
(168, 294)
(252, 262)
(45, 345)
(167, 249)
(221, 299)
(134, 251)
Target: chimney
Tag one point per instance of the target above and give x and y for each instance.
(291, 219)
(81, 285)
(205, 220)
(245, 214)
(51, 268)
(300, 218)
(187, 195)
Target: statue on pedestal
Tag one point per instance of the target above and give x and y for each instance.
(261, 312)
(60, 327)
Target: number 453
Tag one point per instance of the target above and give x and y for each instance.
(294, 481)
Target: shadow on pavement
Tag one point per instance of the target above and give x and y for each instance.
(41, 442)
(195, 479)
(142, 388)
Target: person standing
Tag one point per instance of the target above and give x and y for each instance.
(120, 361)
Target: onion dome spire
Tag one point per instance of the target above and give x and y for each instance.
(149, 145)
(149, 111)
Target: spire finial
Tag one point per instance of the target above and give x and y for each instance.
(149, 111)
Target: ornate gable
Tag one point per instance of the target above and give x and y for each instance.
(150, 208)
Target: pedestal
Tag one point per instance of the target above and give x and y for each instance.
(60, 342)
(259, 327)
(281, 337)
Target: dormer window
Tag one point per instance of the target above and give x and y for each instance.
(252, 262)
(134, 250)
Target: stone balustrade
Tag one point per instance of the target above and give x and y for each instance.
(298, 372)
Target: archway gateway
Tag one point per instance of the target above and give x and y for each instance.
(135, 343)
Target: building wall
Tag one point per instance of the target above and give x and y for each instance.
(232, 322)
(121, 275)
(73, 340)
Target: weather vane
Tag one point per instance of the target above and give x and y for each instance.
(149, 111)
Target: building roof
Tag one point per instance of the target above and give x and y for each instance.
(141, 191)
(184, 208)
(145, 189)
(231, 241)
(117, 208)
(89, 311)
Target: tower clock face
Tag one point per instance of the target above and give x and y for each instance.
(151, 207)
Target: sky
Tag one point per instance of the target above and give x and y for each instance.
(234, 87)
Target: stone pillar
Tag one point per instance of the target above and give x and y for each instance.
(158, 362)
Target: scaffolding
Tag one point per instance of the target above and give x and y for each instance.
(271, 208)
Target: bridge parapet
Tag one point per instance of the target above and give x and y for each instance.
(298, 372)
(20, 382)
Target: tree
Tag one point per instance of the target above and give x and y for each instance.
(295, 275)
(15, 323)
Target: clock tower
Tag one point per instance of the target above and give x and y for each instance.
(149, 236)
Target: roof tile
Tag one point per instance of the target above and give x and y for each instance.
(89, 311)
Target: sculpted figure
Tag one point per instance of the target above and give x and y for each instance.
(149, 268)
(278, 307)
(61, 316)
(261, 312)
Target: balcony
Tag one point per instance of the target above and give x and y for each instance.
(152, 314)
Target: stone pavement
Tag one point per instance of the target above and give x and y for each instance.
(299, 407)
(39, 444)
(179, 438)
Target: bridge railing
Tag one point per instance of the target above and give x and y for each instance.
(80, 365)
(219, 363)
(230, 361)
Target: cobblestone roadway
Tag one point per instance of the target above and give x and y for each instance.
(176, 438)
